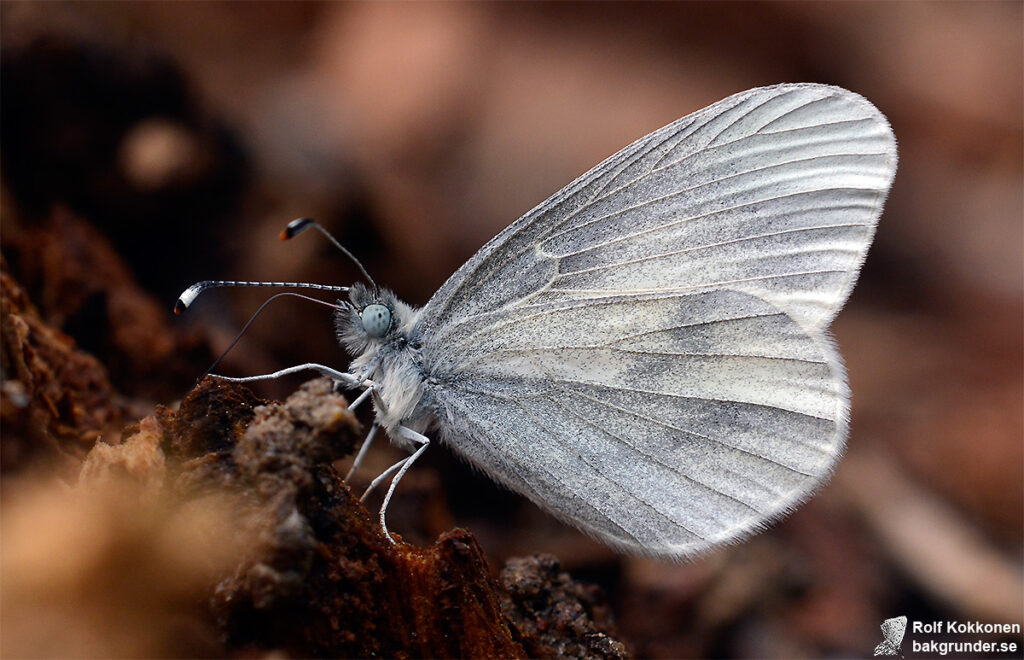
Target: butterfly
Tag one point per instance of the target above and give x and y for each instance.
(892, 634)
(645, 354)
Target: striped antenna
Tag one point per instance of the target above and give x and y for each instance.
(190, 294)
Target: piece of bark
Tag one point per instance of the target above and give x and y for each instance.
(556, 616)
(138, 460)
(322, 580)
(56, 400)
(300, 566)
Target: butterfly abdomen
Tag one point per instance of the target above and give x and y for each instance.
(400, 384)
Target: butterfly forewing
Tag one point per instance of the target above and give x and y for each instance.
(775, 191)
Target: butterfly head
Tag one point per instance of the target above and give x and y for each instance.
(371, 318)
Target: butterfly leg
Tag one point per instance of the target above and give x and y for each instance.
(362, 397)
(363, 449)
(401, 467)
(424, 441)
(383, 408)
(340, 376)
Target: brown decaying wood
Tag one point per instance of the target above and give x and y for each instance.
(56, 399)
(303, 567)
(323, 579)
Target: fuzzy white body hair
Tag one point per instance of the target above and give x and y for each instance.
(392, 361)
(401, 391)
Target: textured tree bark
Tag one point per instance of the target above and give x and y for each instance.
(57, 399)
(325, 581)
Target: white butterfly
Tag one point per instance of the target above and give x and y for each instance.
(645, 353)
(893, 631)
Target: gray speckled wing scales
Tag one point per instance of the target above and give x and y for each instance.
(644, 354)
(659, 423)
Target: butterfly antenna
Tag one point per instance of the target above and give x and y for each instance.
(299, 225)
(189, 295)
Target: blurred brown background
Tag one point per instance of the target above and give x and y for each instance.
(187, 134)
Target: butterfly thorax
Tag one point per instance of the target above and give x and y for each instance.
(392, 359)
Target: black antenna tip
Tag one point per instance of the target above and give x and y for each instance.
(179, 307)
(295, 227)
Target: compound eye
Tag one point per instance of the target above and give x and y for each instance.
(376, 320)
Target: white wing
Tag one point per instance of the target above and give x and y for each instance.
(775, 191)
(644, 353)
(661, 423)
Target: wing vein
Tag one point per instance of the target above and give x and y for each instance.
(708, 246)
(691, 325)
(711, 182)
(550, 473)
(742, 115)
(631, 494)
(634, 351)
(798, 108)
(721, 211)
(694, 433)
(695, 287)
(690, 155)
(691, 397)
(666, 295)
(657, 460)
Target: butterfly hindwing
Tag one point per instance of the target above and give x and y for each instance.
(663, 423)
